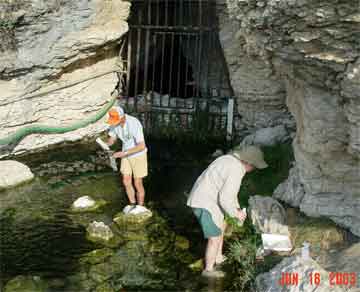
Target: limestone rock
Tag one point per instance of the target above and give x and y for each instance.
(270, 281)
(132, 221)
(267, 136)
(52, 45)
(99, 232)
(343, 209)
(268, 215)
(291, 190)
(87, 204)
(301, 56)
(13, 173)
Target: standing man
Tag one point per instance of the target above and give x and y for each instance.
(133, 156)
(215, 193)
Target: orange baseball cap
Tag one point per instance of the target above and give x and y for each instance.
(114, 116)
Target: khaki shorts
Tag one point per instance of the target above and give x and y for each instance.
(136, 166)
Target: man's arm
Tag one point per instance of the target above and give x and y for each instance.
(228, 195)
(139, 147)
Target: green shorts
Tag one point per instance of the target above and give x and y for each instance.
(208, 226)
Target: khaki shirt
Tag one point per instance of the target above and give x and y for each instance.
(217, 187)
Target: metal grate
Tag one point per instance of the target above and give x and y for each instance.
(174, 64)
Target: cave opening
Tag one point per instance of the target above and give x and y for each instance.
(173, 49)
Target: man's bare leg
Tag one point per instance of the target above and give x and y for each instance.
(212, 248)
(127, 181)
(140, 191)
(219, 255)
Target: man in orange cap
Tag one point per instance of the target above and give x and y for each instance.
(133, 155)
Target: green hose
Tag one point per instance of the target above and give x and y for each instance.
(42, 129)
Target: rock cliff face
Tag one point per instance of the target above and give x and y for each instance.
(51, 43)
(306, 54)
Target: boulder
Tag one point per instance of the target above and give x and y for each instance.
(268, 215)
(99, 232)
(13, 173)
(343, 209)
(57, 44)
(87, 204)
(132, 221)
(267, 136)
(291, 190)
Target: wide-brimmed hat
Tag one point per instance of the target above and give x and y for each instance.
(114, 115)
(250, 154)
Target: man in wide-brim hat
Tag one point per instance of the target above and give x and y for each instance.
(215, 193)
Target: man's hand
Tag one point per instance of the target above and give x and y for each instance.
(241, 215)
(119, 154)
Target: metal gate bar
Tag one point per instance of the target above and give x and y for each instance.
(167, 37)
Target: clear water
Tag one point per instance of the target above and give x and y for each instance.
(40, 236)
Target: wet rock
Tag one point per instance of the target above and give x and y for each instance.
(99, 232)
(26, 283)
(97, 256)
(13, 173)
(132, 222)
(267, 136)
(295, 266)
(105, 287)
(268, 215)
(87, 204)
(101, 272)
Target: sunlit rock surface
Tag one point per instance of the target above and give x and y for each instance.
(50, 45)
(13, 173)
(87, 204)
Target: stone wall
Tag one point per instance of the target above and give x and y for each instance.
(48, 44)
(305, 53)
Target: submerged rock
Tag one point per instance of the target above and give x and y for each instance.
(150, 258)
(96, 256)
(87, 204)
(26, 283)
(13, 173)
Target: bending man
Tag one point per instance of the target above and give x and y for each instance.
(215, 193)
(133, 155)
